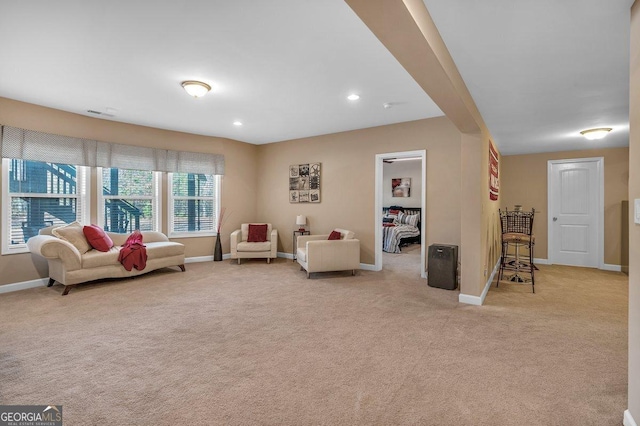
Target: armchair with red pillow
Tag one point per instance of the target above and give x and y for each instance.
(254, 241)
(337, 251)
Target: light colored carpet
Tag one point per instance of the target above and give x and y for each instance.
(261, 344)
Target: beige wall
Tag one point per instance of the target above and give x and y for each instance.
(491, 233)
(238, 186)
(634, 230)
(347, 183)
(479, 216)
(524, 181)
(471, 262)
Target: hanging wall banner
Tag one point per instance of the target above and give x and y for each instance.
(494, 182)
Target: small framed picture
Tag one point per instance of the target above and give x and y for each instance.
(401, 187)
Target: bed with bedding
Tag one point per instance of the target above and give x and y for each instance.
(400, 226)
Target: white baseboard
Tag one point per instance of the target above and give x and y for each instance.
(470, 300)
(610, 267)
(7, 288)
(367, 267)
(605, 267)
(479, 300)
(628, 419)
(285, 255)
(198, 259)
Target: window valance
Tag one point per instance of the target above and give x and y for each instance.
(39, 146)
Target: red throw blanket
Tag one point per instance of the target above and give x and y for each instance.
(133, 253)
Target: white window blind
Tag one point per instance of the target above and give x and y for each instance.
(40, 194)
(194, 204)
(39, 146)
(128, 200)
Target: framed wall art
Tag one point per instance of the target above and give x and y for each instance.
(304, 183)
(401, 187)
(494, 181)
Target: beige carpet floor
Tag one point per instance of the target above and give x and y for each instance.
(261, 344)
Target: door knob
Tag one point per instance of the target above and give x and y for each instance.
(555, 218)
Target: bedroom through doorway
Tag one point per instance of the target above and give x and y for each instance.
(400, 212)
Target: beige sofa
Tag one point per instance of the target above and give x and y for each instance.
(69, 267)
(316, 253)
(242, 249)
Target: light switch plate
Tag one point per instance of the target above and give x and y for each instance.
(636, 211)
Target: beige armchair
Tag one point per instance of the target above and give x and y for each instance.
(243, 249)
(316, 253)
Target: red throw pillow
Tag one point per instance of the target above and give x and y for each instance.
(335, 235)
(257, 233)
(97, 238)
(394, 212)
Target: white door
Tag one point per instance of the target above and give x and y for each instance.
(575, 208)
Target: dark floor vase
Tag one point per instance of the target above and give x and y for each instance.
(217, 253)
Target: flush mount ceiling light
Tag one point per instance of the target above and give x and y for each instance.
(237, 123)
(197, 89)
(592, 134)
(353, 97)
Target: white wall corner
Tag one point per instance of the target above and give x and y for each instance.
(628, 419)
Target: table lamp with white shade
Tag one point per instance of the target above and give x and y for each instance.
(301, 221)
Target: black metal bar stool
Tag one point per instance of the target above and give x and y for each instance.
(517, 233)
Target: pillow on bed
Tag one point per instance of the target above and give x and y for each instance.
(409, 219)
(388, 219)
(394, 212)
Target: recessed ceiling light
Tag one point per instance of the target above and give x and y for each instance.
(237, 123)
(353, 97)
(197, 89)
(592, 134)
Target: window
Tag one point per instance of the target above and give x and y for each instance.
(194, 204)
(128, 200)
(36, 195)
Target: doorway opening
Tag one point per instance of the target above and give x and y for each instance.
(410, 193)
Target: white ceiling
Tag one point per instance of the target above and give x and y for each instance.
(285, 67)
(540, 71)
(281, 67)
